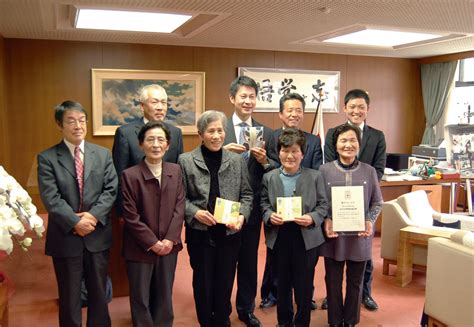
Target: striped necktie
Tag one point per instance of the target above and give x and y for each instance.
(246, 154)
(79, 173)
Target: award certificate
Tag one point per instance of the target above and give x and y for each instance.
(226, 211)
(348, 208)
(289, 207)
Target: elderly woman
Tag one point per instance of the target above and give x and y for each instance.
(153, 207)
(348, 249)
(210, 172)
(296, 243)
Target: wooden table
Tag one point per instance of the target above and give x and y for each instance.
(410, 236)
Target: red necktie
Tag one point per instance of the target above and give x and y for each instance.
(79, 173)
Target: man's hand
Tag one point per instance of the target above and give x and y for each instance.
(84, 227)
(328, 228)
(276, 219)
(235, 147)
(260, 154)
(205, 217)
(304, 220)
(88, 216)
(237, 225)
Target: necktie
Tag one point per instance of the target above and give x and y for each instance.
(241, 135)
(245, 154)
(79, 173)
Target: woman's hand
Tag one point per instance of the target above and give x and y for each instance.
(162, 247)
(205, 217)
(328, 228)
(368, 229)
(237, 225)
(304, 220)
(235, 147)
(276, 219)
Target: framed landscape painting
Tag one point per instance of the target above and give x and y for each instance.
(116, 97)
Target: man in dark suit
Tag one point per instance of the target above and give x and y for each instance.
(372, 152)
(78, 186)
(243, 95)
(126, 150)
(292, 106)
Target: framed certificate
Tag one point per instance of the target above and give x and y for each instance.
(289, 207)
(226, 211)
(348, 208)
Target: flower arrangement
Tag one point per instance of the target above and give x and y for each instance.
(17, 214)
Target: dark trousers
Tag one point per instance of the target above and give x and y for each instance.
(270, 279)
(367, 287)
(213, 278)
(69, 272)
(295, 270)
(151, 291)
(347, 310)
(247, 269)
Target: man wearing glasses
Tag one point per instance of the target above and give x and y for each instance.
(78, 186)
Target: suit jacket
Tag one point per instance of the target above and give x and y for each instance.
(313, 155)
(372, 150)
(310, 186)
(152, 212)
(234, 184)
(127, 153)
(255, 169)
(59, 192)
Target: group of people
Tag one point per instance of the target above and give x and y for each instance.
(157, 188)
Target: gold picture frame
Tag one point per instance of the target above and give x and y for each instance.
(115, 97)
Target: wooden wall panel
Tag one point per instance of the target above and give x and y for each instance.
(394, 86)
(41, 74)
(3, 109)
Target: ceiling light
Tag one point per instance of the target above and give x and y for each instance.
(381, 38)
(119, 20)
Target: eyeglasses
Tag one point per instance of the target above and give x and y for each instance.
(153, 140)
(74, 122)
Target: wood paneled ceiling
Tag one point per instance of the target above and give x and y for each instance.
(281, 25)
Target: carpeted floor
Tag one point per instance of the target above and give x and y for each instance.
(34, 301)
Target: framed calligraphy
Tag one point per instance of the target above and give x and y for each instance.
(312, 85)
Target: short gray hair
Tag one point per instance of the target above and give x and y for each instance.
(144, 91)
(208, 117)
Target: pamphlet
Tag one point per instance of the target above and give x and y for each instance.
(289, 207)
(253, 137)
(226, 211)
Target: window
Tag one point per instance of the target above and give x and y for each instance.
(460, 109)
(466, 73)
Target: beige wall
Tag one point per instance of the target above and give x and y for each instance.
(41, 74)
